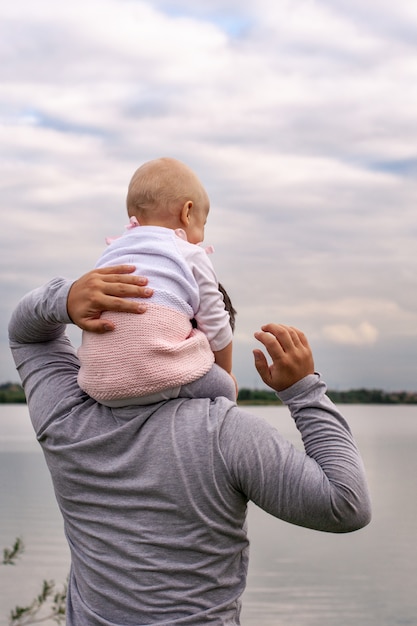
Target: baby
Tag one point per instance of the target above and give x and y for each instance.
(182, 345)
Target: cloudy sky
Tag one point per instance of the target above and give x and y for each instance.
(300, 117)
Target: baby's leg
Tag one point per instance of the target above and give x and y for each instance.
(215, 383)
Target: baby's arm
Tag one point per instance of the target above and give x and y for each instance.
(210, 313)
(212, 317)
(223, 358)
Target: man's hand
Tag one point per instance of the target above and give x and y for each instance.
(290, 352)
(107, 289)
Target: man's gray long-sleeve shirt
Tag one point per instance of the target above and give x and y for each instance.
(154, 498)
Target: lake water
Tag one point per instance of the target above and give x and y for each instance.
(297, 577)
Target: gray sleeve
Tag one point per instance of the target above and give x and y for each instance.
(45, 359)
(42, 314)
(323, 487)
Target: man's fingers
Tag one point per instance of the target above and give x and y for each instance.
(123, 304)
(107, 289)
(111, 281)
(287, 336)
(98, 326)
(116, 269)
(261, 365)
(271, 343)
(120, 289)
(126, 279)
(290, 353)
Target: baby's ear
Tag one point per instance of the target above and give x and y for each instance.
(186, 212)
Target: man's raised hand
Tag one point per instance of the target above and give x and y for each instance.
(290, 352)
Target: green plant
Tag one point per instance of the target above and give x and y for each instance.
(11, 554)
(49, 604)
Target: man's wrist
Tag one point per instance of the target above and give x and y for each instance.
(301, 387)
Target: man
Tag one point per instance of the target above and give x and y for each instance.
(154, 498)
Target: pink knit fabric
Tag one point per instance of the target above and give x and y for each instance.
(144, 354)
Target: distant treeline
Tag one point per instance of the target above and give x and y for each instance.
(352, 396)
(13, 393)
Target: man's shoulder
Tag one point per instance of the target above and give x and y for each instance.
(198, 413)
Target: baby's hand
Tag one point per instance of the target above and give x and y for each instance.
(290, 352)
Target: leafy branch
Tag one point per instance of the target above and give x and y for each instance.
(11, 554)
(49, 604)
(22, 616)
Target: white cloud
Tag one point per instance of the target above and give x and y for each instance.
(362, 335)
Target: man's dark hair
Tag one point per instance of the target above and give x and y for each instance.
(228, 306)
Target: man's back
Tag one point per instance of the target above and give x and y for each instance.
(155, 526)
